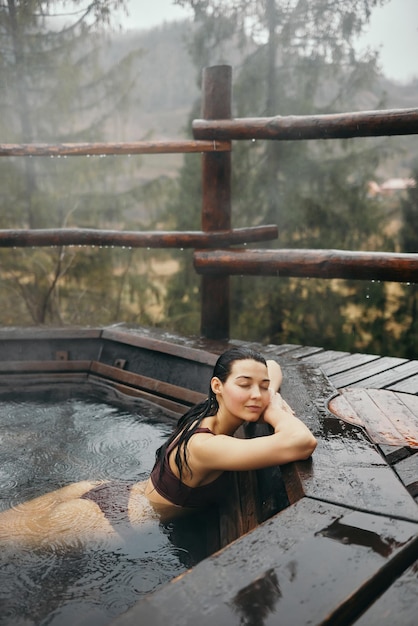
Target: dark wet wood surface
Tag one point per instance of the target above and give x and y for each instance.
(345, 549)
(362, 370)
(399, 602)
(315, 563)
(349, 534)
(389, 417)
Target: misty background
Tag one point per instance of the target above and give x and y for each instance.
(88, 75)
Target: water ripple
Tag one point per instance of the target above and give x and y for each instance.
(43, 579)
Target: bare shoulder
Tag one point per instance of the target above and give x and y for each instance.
(200, 441)
(225, 452)
(205, 448)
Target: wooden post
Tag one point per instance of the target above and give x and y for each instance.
(216, 201)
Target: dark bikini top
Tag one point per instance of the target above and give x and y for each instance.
(173, 489)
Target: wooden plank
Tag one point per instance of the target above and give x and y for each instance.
(313, 563)
(343, 452)
(390, 377)
(305, 351)
(393, 454)
(402, 410)
(284, 348)
(32, 382)
(409, 385)
(13, 367)
(360, 483)
(151, 385)
(31, 379)
(230, 517)
(407, 470)
(325, 357)
(111, 390)
(398, 606)
(35, 373)
(384, 414)
(293, 350)
(268, 349)
(347, 363)
(361, 374)
(160, 344)
(411, 402)
(406, 370)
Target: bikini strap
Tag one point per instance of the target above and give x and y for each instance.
(198, 430)
(204, 430)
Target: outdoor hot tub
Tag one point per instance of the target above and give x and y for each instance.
(330, 540)
(76, 395)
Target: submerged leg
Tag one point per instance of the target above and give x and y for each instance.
(71, 515)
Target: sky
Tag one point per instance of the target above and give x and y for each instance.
(393, 30)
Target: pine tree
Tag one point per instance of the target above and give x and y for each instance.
(57, 85)
(405, 317)
(298, 58)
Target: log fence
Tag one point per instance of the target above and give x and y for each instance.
(213, 257)
(102, 149)
(134, 239)
(379, 266)
(297, 127)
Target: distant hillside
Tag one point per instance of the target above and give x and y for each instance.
(168, 85)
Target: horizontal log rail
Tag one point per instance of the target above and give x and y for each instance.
(385, 266)
(126, 148)
(213, 257)
(294, 127)
(135, 239)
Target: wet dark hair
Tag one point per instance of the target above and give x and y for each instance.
(191, 420)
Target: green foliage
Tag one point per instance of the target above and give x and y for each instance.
(59, 85)
(405, 311)
(182, 303)
(298, 58)
(290, 60)
(409, 208)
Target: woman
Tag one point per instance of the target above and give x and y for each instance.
(190, 467)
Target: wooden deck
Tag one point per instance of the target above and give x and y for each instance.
(355, 376)
(345, 551)
(356, 370)
(345, 548)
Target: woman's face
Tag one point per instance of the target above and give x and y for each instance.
(245, 392)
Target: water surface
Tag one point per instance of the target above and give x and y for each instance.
(47, 445)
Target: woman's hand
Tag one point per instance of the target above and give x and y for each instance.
(277, 410)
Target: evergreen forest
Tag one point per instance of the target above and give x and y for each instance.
(77, 77)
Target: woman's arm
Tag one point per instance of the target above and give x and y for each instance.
(291, 441)
(283, 420)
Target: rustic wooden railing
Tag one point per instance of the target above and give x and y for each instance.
(395, 267)
(212, 139)
(134, 239)
(292, 127)
(99, 149)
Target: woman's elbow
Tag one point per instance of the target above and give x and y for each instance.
(308, 446)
